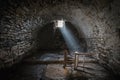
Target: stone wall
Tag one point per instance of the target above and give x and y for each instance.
(98, 21)
(105, 37)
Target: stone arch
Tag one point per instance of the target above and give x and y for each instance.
(46, 36)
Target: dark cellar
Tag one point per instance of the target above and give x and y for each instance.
(59, 39)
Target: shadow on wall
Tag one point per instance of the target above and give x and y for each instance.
(50, 38)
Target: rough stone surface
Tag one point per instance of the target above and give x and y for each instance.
(98, 21)
(90, 71)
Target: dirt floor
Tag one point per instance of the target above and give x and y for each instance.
(24, 71)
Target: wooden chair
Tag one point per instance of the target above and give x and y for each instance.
(67, 58)
(75, 60)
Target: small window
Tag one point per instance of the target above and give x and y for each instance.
(60, 23)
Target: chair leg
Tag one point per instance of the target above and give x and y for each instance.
(75, 64)
(83, 61)
(76, 61)
(65, 60)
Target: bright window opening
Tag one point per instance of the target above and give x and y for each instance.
(60, 23)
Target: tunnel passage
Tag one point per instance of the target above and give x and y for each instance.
(49, 37)
(97, 20)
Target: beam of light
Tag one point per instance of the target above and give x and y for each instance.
(70, 39)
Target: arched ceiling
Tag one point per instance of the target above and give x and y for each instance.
(98, 21)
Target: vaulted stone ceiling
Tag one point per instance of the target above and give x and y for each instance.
(98, 21)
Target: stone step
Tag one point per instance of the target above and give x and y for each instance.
(55, 62)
